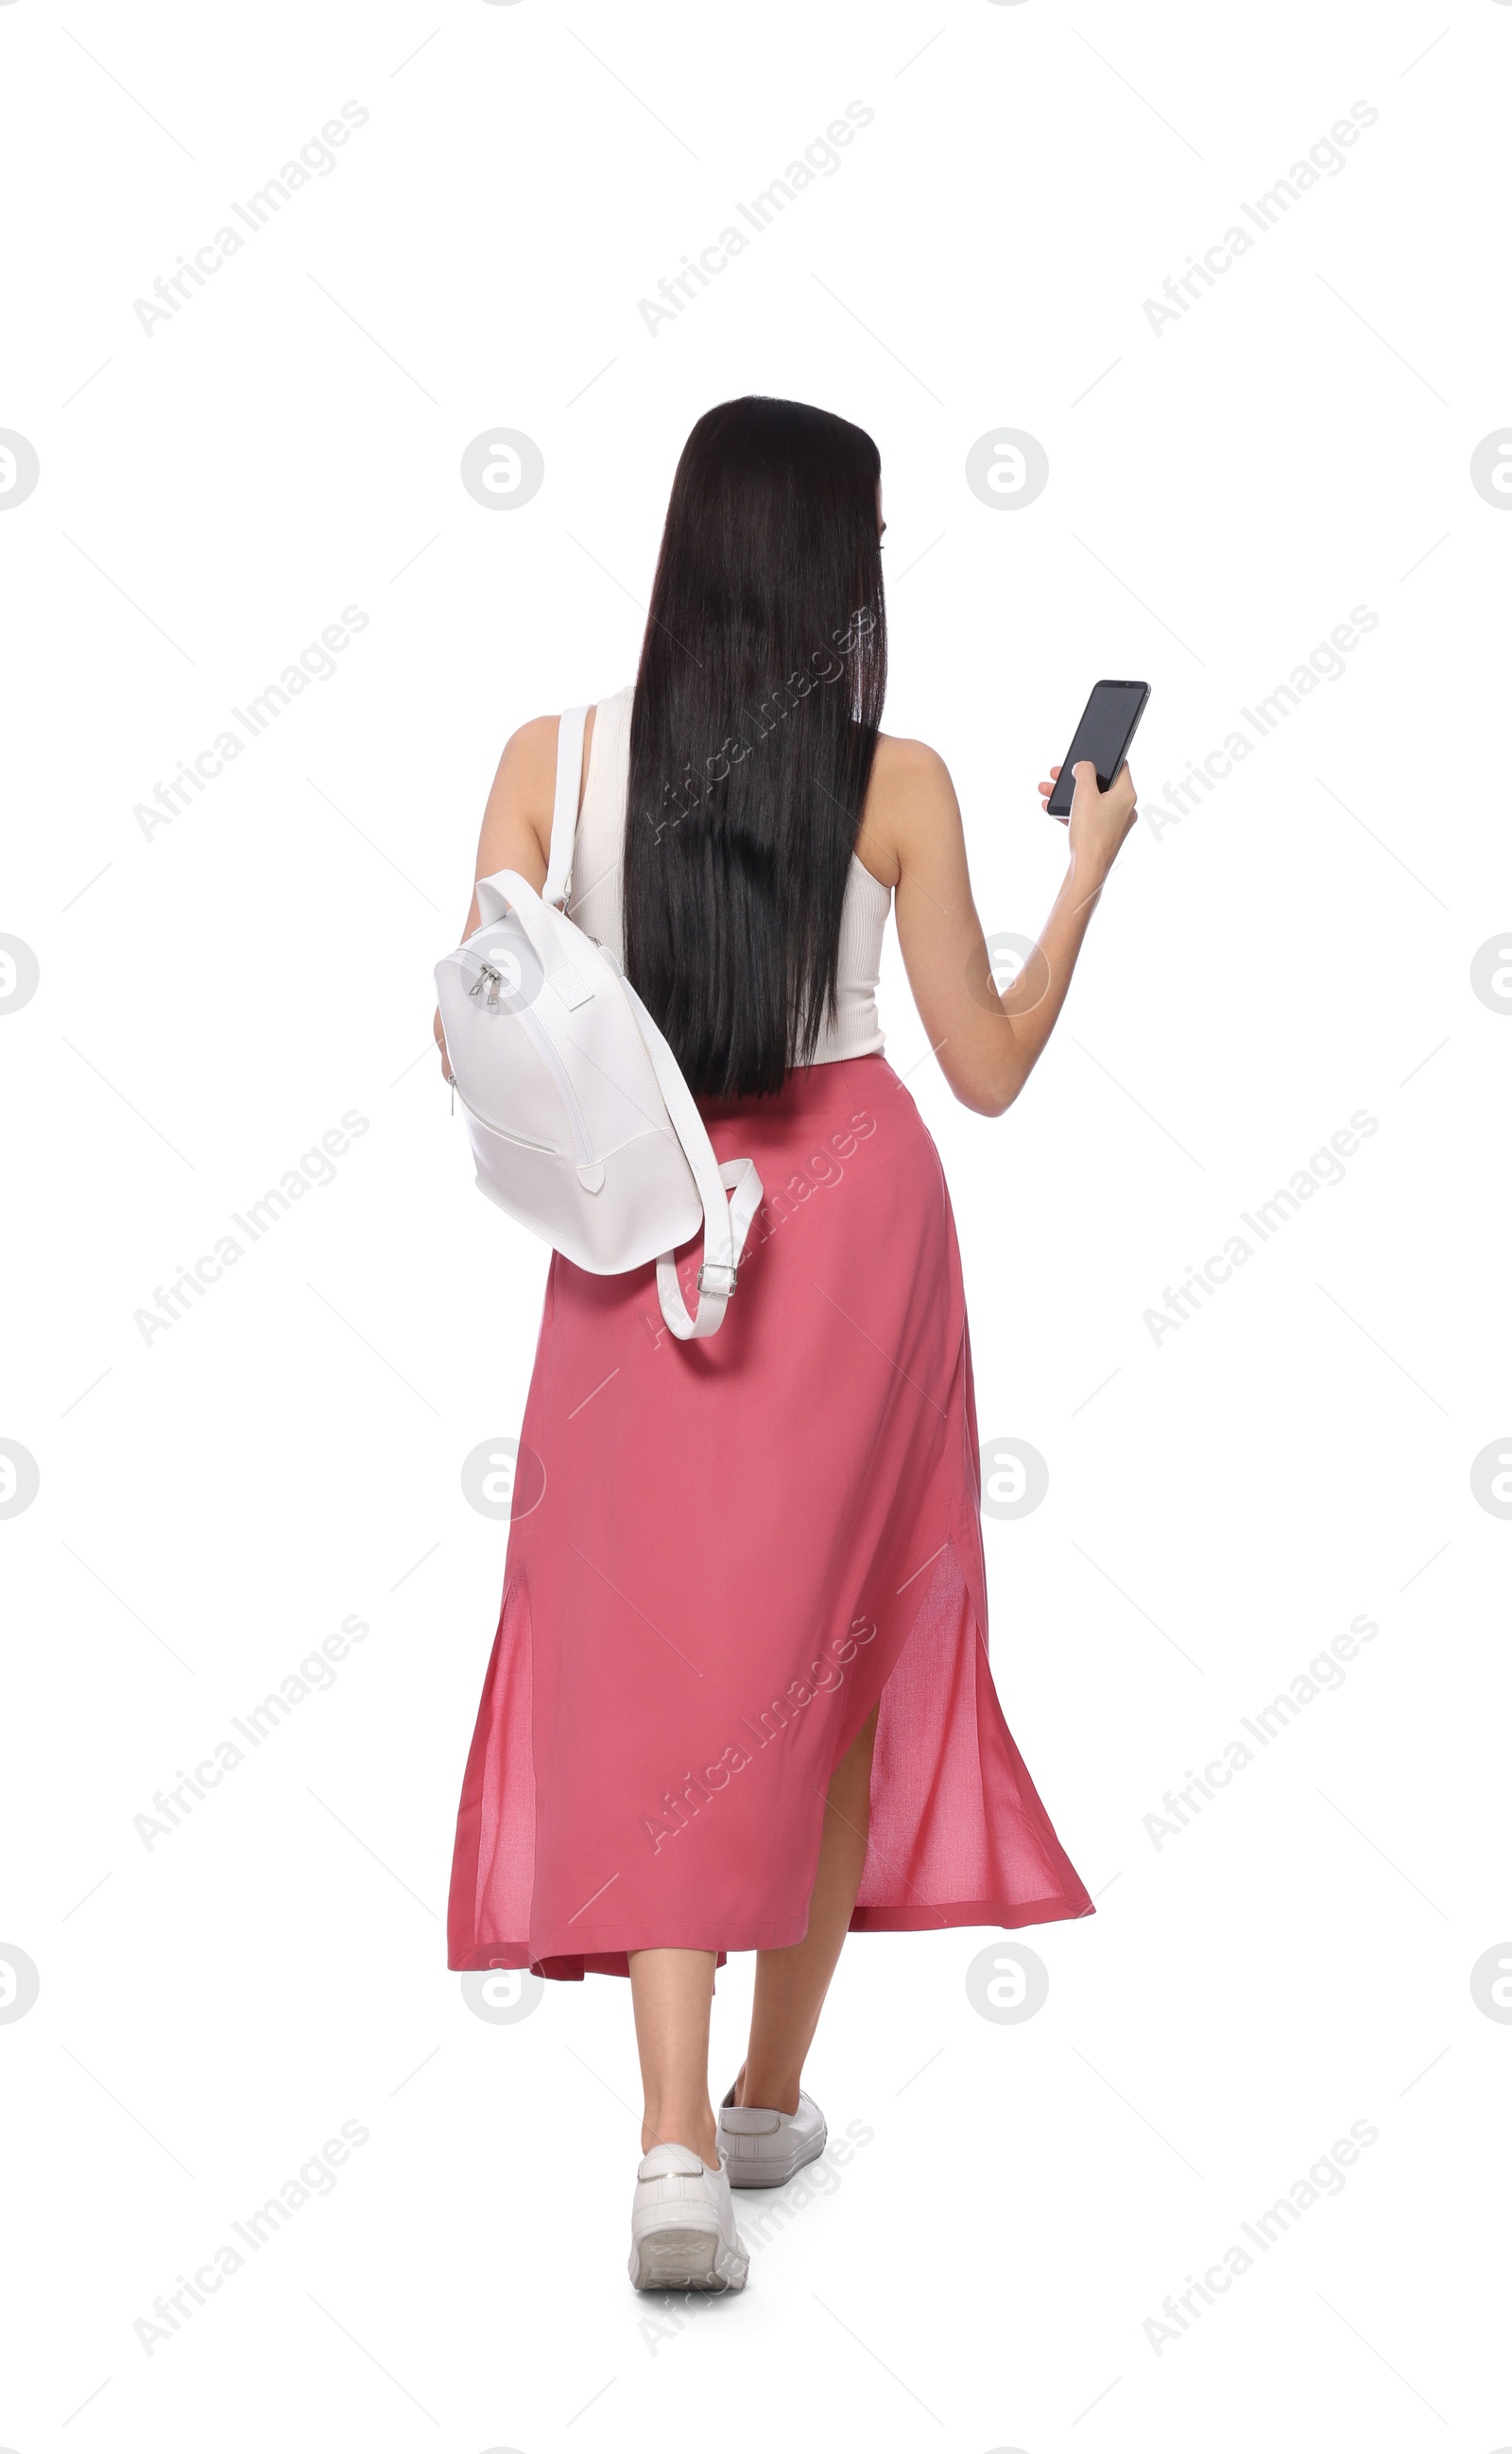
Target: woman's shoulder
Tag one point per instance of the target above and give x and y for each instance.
(910, 785)
(527, 766)
(535, 739)
(524, 791)
(903, 762)
(910, 789)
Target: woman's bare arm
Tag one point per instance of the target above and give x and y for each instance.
(516, 830)
(987, 1041)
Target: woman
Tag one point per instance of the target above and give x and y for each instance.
(739, 1697)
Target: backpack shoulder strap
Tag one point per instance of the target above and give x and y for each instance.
(565, 809)
(727, 1222)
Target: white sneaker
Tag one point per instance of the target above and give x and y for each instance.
(762, 2148)
(683, 2236)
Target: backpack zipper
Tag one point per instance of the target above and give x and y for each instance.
(519, 1139)
(543, 1043)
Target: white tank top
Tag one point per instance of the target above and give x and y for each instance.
(596, 902)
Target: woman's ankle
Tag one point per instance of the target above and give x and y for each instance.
(777, 2090)
(681, 2127)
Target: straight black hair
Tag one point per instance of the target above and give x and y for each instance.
(752, 736)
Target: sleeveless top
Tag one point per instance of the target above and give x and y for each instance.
(597, 906)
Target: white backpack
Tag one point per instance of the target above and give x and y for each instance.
(580, 1123)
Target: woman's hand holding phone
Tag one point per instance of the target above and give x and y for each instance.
(1099, 822)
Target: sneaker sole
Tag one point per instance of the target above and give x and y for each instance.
(683, 2258)
(766, 2176)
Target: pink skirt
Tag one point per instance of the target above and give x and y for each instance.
(724, 1554)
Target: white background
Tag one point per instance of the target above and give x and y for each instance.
(217, 994)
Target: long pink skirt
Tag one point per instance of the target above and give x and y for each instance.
(724, 1554)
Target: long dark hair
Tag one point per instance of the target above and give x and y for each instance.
(753, 735)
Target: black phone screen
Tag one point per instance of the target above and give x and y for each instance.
(1107, 727)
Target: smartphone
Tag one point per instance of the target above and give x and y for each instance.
(1109, 722)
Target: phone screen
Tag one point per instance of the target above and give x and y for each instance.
(1107, 727)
